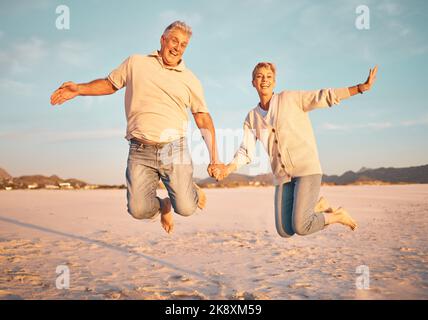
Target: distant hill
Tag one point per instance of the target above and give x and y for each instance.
(382, 175)
(417, 174)
(44, 181)
(238, 180)
(4, 175)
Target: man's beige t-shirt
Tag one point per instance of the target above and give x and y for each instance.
(157, 97)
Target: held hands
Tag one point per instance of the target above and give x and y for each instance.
(67, 91)
(214, 170)
(370, 80)
(218, 171)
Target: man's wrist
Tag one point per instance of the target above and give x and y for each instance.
(79, 89)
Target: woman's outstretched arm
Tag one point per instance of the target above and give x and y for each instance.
(243, 156)
(310, 100)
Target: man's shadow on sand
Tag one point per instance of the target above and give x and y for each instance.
(106, 245)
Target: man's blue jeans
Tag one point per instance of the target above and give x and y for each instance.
(169, 162)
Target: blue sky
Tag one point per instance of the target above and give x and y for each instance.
(314, 45)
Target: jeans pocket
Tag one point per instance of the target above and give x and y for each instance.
(133, 147)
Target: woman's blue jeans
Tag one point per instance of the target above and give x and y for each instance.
(294, 206)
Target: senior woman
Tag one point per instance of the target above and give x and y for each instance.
(281, 122)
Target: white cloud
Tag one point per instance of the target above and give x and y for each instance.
(13, 7)
(349, 127)
(415, 122)
(388, 16)
(169, 16)
(91, 101)
(50, 136)
(22, 56)
(74, 53)
(422, 121)
(211, 82)
(87, 135)
(27, 55)
(390, 8)
(16, 87)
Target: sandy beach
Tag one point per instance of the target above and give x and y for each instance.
(228, 251)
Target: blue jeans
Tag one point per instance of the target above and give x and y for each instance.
(294, 206)
(169, 162)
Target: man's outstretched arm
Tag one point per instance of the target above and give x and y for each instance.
(69, 90)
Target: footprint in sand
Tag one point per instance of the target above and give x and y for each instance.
(15, 259)
(115, 295)
(245, 295)
(27, 278)
(255, 267)
(299, 285)
(181, 278)
(7, 295)
(181, 294)
(153, 289)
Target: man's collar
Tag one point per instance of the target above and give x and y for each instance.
(180, 67)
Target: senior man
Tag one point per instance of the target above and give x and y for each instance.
(159, 89)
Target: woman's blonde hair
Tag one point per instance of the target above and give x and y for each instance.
(268, 65)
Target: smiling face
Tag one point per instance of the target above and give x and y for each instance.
(173, 45)
(264, 81)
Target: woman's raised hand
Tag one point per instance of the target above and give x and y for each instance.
(370, 80)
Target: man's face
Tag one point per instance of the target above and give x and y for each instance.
(264, 81)
(173, 46)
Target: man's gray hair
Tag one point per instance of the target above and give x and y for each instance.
(178, 25)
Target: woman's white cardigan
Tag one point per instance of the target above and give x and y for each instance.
(286, 132)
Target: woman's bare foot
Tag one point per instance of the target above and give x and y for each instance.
(340, 215)
(323, 206)
(202, 202)
(166, 215)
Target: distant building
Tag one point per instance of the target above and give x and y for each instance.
(33, 186)
(90, 187)
(51, 186)
(65, 185)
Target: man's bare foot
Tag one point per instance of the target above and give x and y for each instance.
(340, 215)
(202, 202)
(323, 206)
(166, 215)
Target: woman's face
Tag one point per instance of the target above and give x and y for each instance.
(264, 81)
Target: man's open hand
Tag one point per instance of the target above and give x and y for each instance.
(67, 91)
